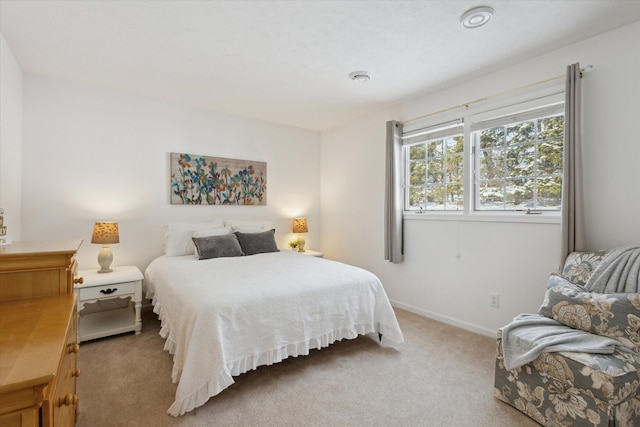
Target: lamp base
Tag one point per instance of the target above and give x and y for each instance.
(105, 258)
(301, 243)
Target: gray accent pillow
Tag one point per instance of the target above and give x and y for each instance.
(226, 245)
(258, 243)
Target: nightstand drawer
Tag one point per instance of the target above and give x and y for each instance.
(124, 281)
(107, 291)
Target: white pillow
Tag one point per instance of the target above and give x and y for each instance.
(247, 226)
(248, 229)
(205, 232)
(177, 236)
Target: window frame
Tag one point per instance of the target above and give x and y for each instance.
(520, 104)
(441, 131)
(533, 115)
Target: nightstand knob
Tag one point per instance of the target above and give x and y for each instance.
(79, 280)
(76, 373)
(69, 399)
(74, 348)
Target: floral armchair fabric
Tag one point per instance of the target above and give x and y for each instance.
(580, 389)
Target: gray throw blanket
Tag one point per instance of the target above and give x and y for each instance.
(618, 272)
(528, 335)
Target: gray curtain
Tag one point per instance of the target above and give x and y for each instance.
(393, 227)
(573, 235)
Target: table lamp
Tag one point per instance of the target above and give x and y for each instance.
(105, 233)
(300, 226)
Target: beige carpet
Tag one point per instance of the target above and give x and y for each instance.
(442, 376)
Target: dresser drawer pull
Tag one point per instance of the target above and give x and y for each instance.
(68, 399)
(76, 373)
(108, 291)
(73, 348)
(79, 280)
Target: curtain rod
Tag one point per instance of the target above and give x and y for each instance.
(475, 101)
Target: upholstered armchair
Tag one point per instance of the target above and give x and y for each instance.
(574, 388)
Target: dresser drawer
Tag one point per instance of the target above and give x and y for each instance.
(59, 408)
(66, 399)
(63, 400)
(113, 290)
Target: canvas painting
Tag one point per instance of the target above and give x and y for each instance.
(205, 180)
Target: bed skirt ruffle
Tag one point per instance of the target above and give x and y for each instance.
(224, 379)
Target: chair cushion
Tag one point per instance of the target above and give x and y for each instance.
(611, 378)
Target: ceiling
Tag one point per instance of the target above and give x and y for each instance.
(288, 62)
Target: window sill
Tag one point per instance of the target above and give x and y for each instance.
(543, 218)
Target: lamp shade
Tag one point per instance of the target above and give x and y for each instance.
(300, 225)
(105, 233)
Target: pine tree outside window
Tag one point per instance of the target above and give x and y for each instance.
(519, 165)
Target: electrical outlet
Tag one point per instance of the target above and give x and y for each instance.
(494, 301)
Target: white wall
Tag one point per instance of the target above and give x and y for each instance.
(10, 140)
(91, 153)
(511, 259)
(95, 154)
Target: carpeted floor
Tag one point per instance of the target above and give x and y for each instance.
(442, 376)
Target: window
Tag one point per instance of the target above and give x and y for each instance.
(435, 168)
(508, 159)
(518, 165)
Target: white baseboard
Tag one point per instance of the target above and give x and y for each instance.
(445, 319)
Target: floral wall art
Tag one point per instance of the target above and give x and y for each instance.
(204, 180)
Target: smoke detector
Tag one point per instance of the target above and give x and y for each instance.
(476, 17)
(360, 76)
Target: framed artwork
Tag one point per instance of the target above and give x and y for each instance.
(205, 180)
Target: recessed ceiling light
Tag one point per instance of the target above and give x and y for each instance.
(360, 76)
(476, 17)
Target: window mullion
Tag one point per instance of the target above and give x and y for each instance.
(535, 163)
(468, 169)
(504, 169)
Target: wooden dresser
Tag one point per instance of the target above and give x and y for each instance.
(38, 334)
(37, 269)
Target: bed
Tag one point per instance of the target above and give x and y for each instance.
(227, 315)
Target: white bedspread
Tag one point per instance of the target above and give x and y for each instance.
(225, 316)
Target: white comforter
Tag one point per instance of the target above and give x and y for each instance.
(225, 316)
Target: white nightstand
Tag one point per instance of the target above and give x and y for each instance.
(312, 253)
(122, 282)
